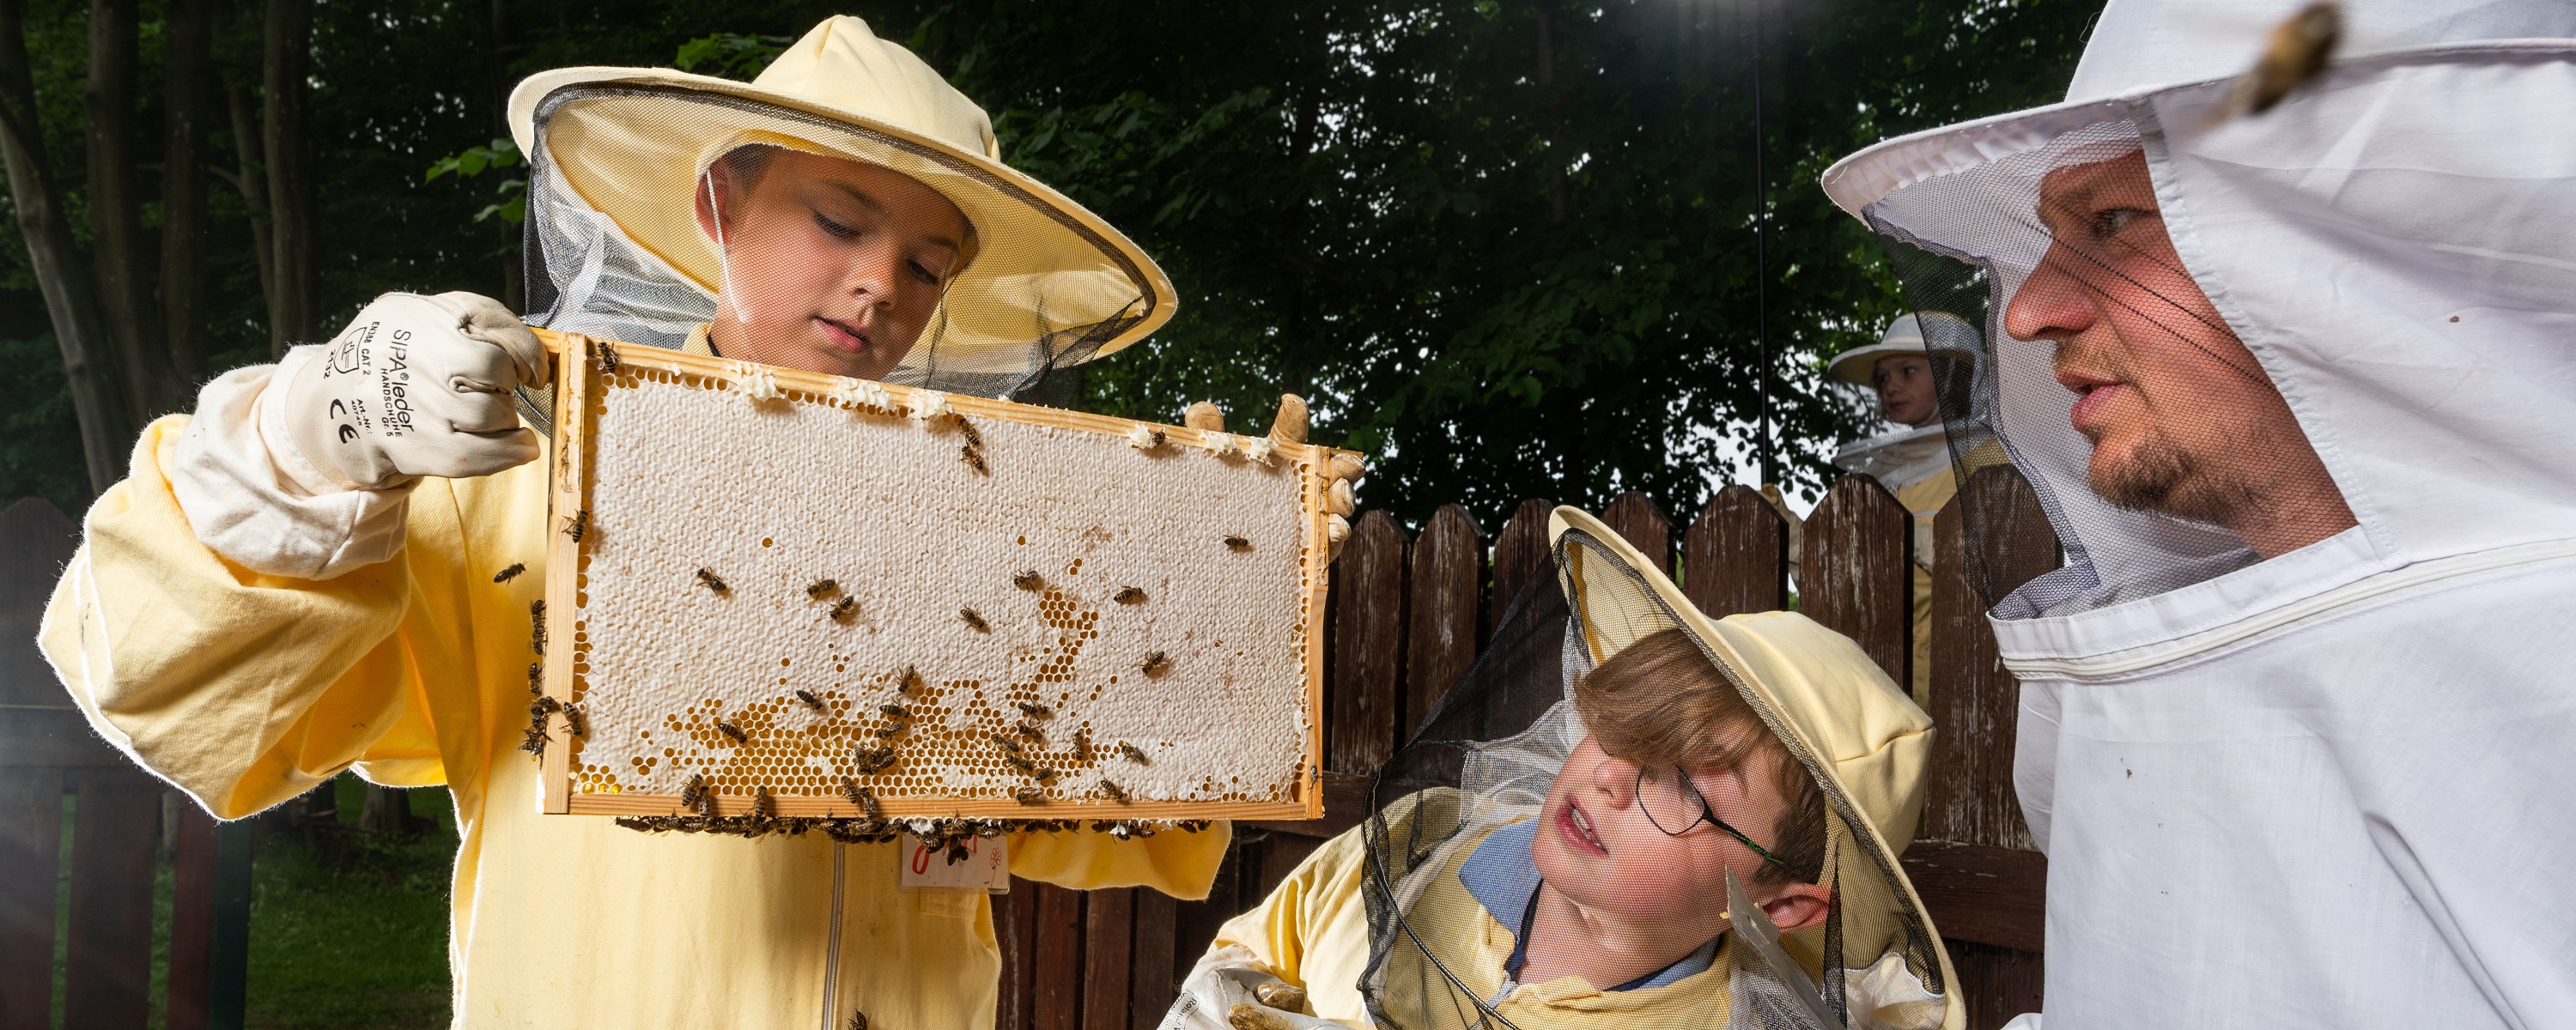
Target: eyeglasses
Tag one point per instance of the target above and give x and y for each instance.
(1675, 806)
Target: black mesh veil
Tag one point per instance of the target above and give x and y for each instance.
(2104, 372)
(1458, 875)
(619, 253)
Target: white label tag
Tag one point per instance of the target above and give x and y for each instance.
(986, 867)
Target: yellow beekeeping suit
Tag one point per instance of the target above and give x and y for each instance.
(245, 690)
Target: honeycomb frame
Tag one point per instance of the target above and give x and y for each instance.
(969, 742)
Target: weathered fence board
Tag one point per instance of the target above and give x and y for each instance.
(1057, 985)
(1150, 965)
(1446, 609)
(1361, 695)
(1635, 518)
(1736, 555)
(1856, 572)
(31, 825)
(117, 820)
(192, 920)
(1518, 551)
(1108, 934)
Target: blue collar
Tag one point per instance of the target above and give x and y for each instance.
(1502, 875)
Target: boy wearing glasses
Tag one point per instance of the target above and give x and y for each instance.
(1605, 904)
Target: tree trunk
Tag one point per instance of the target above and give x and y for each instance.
(186, 76)
(119, 255)
(106, 421)
(286, 65)
(253, 184)
(386, 811)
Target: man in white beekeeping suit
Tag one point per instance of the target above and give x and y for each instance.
(2291, 384)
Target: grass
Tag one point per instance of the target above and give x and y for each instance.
(348, 930)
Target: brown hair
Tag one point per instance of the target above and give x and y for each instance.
(1659, 701)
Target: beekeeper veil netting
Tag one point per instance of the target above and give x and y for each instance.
(2212, 337)
(1615, 765)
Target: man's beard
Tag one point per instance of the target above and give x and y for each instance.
(2160, 477)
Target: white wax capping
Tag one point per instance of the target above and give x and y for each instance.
(933, 404)
(911, 536)
(754, 383)
(1140, 437)
(860, 393)
(1218, 443)
(1259, 448)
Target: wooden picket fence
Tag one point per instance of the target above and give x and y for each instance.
(1408, 616)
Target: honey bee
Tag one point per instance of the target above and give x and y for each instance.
(858, 1021)
(711, 581)
(822, 588)
(1007, 743)
(1030, 731)
(579, 724)
(1129, 595)
(1082, 744)
(732, 732)
(536, 677)
(973, 458)
(895, 710)
(1029, 796)
(1021, 764)
(1035, 710)
(511, 573)
(870, 760)
(1044, 773)
(691, 791)
(544, 706)
(706, 799)
(911, 680)
(607, 356)
(761, 803)
(1029, 580)
(537, 627)
(2296, 51)
(974, 620)
(1134, 754)
(1236, 543)
(1155, 664)
(1116, 793)
(973, 438)
(890, 732)
(577, 525)
(842, 609)
(810, 701)
(535, 742)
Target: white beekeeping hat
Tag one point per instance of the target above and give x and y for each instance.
(2394, 246)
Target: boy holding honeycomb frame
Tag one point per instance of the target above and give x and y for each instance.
(331, 565)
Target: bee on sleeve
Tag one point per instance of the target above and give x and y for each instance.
(708, 579)
(1116, 793)
(974, 620)
(732, 732)
(511, 573)
(822, 588)
(1155, 664)
(807, 698)
(1236, 543)
(577, 524)
(858, 1021)
(1028, 580)
(1129, 595)
(842, 609)
(1134, 754)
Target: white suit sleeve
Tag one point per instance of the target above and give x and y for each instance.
(251, 498)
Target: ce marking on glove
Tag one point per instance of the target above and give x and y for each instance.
(350, 416)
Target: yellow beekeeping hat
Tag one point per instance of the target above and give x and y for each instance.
(633, 143)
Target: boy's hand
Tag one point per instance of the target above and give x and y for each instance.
(1290, 427)
(417, 386)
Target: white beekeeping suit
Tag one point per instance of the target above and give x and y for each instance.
(2326, 785)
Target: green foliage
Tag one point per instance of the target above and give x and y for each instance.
(40, 449)
(349, 930)
(471, 162)
(729, 54)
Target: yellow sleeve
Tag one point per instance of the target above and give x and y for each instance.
(1300, 916)
(1174, 862)
(242, 689)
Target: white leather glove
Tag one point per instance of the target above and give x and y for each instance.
(416, 386)
(1231, 990)
(1290, 427)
